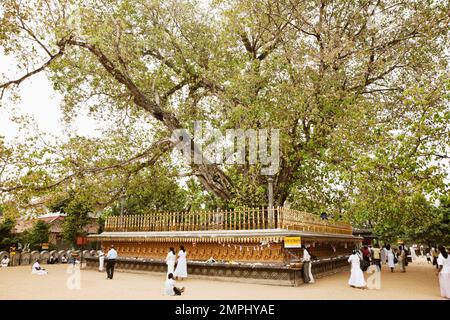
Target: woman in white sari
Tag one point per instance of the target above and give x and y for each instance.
(356, 275)
(444, 272)
(170, 260)
(413, 252)
(390, 257)
(101, 260)
(181, 269)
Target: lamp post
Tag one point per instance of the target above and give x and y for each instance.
(270, 196)
(122, 203)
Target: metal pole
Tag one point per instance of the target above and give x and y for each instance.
(122, 200)
(270, 207)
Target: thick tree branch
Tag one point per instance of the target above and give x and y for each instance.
(18, 81)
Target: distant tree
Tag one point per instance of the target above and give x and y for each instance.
(6, 237)
(101, 223)
(152, 191)
(39, 234)
(439, 230)
(76, 204)
(6, 228)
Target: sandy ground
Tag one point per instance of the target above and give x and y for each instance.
(419, 282)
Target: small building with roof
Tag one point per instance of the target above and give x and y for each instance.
(55, 220)
(367, 235)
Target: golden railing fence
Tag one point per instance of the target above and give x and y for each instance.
(246, 218)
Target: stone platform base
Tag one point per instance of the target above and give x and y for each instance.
(245, 246)
(270, 274)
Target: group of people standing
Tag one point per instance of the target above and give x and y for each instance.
(111, 258)
(392, 256)
(178, 272)
(361, 259)
(171, 259)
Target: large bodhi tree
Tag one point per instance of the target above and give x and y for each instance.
(341, 79)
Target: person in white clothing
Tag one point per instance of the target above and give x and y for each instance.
(413, 252)
(111, 257)
(307, 274)
(101, 259)
(181, 269)
(383, 255)
(169, 287)
(444, 272)
(390, 257)
(170, 260)
(356, 275)
(37, 269)
(5, 262)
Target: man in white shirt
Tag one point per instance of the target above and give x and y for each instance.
(111, 261)
(307, 273)
(169, 287)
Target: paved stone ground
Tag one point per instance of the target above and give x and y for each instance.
(419, 282)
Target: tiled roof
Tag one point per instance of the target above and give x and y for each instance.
(22, 225)
(366, 233)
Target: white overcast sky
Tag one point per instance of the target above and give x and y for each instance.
(39, 101)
